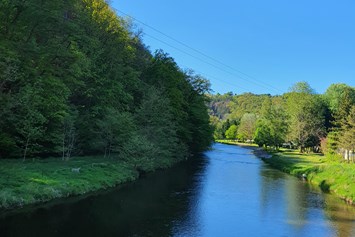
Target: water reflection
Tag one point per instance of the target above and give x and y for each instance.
(228, 192)
(306, 210)
(341, 217)
(149, 207)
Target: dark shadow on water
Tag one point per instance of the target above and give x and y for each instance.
(227, 192)
(147, 207)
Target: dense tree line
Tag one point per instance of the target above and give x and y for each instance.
(299, 118)
(76, 79)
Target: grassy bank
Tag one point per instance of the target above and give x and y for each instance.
(35, 181)
(334, 177)
(234, 142)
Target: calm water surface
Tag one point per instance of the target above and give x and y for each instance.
(226, 192)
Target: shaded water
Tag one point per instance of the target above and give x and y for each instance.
(226, 192)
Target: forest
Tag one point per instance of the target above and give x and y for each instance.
(299, 119)
(76, 79)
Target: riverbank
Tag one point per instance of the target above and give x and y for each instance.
(38, 181)
(333, 177)
(259, 152)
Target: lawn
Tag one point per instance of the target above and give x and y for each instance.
(34, 181)
(334, 177)
(330, 176)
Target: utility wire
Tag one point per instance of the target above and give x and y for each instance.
(201, 53)
(215, 78)
(197, 58)
(204, 61)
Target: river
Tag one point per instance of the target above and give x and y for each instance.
(225, 192)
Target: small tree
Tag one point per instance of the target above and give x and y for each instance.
(29, 121)
(69, 134)
(247, 126)
(347, 135)
(231, 132)
(263, 135)
(306, 116)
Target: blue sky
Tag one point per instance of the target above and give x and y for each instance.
(265, 46)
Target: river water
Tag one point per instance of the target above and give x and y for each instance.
(225, 192)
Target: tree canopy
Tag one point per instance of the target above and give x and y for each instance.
(300, 117)
(77, 80)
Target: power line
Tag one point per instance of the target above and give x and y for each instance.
(215, 78)
(219, 68)
(204, 61)
(203, 54)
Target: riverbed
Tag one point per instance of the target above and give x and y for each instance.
(227, 191)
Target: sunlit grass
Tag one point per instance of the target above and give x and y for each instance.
(234, 142)
(335, 177)
(33, 181)
(330, 176)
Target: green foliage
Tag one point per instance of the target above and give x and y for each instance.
(158, 128)
(335, 93)
(231, 133)
(300, 117)
(332, 143)
(30, 182)
(306, 117)
(77, 80)
(263, 134)
(302, 87)
(272, 126)
(247, 126)
(347, 133)
(318, 172)
(246, 103)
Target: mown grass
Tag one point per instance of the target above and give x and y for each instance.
(334, 177)
(234, 142)
(330, 176)
(34, 181)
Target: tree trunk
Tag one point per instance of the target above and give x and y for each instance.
(25, 152)
(63, 146)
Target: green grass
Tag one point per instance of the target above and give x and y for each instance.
(334, 177)
(234, 142)
(34, 181)
(330, 176)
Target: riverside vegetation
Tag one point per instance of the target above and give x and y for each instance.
(320, 126)
(329, 175)
(78, 85)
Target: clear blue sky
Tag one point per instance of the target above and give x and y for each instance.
(274, 42)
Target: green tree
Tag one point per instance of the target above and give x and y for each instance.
(159, 128)
(232, 132)
(69, 135)
(247, 126)
(114, 128)
(28, 121)
(347, 135)
(73, 74)
(302, 88)
(272, 126)
(263, 134)
(306, 118)
(336, 93)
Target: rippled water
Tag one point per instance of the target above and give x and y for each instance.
(226, 192)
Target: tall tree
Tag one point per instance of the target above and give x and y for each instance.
(272, 126)
(347, 135)
(306, 117)
(247, 126)
(232, 132)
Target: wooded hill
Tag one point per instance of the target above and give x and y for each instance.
(299, 118)
(76, 79)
